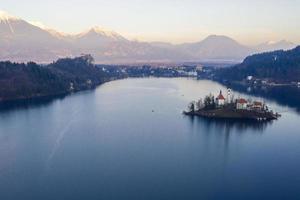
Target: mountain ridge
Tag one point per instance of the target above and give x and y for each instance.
(23, 41)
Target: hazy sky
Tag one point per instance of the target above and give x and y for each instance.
(168, 20)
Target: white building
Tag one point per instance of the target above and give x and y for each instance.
(249, 78)
(199, 67)
(241, 104)
(192, 73)
(229, 100)
(220, 99)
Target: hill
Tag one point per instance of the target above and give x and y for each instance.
(24, 81)
(278, 66)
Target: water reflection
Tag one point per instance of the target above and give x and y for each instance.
(90, 144)
(29, 103)
(225, 133)
(227, 126)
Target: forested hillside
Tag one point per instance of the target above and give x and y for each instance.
(22, 81)
(281, 66)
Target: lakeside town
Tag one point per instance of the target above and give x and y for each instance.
(194, 70)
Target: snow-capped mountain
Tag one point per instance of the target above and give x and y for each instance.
(23, 41)
(4, 16)
(96, 37)
(271, 46)
(101, 33)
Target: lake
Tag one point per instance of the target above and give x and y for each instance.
(128, 139)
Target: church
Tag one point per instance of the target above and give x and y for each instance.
(220, 100)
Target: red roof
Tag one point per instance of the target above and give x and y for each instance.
(257, 103)
(221, 97)
(241, 101)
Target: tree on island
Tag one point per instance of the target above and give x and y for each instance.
(192, 107)
(209, 102)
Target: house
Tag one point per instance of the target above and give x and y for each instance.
(199, 68)
(192, 73)
(241, 104)
(264, 82)
(249, 78)
(220, 99)
(257, 105)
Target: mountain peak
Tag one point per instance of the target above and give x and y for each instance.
(105, 32)
(218, 37)
(97, 32)
(99, 29)
(4, 16)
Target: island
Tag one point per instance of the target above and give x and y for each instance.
(230, 108)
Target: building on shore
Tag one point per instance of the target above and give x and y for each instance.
(257, 105)
(230, 103)
(241, 104)
(220, 99)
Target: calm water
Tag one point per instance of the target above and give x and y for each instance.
(128, 140)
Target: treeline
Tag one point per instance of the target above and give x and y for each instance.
(280, 66)
(23, 81)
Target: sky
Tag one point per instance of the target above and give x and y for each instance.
(250, 22)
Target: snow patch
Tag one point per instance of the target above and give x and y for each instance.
(38, 24)
(4, 16)
(103, 32)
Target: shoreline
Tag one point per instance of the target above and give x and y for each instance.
(233, 114)
(51, 96)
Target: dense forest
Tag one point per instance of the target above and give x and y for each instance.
(23, 81)
(279, 66)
